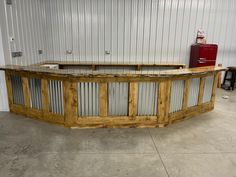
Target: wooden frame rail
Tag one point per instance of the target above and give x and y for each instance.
(95, 66)
(62, 101)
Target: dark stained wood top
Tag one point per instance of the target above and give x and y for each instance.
(89, 63)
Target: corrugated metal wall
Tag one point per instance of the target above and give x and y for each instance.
(88, 99)
(177, 93)
(193, 92)
(35, 93)
(147, 98)
(25, 23)
(56, 99)
(17, 90)
(3, 92)
(118, 98)
(146, 31)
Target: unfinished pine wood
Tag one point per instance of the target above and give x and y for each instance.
(18, 109)
(71, 119)
(219, 77)
(117, 122)
(34, 113)
(133, 92)
(186, 94)
(214, 88)
(26, 91)
(201, 90)
(70, 102)
(164, 101)
(190, 112)
(45, 95)
(9, 88)
(103, 99)
(93, 67)
(129, 75)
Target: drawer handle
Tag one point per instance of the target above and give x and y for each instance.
(202, 58)
(199, 61)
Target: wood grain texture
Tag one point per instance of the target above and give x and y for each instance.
(45, 95)
(201, 90)
(103, 99)
(70, 102)
(186, 94)
(164, 101)
(190, 112)
(214, 88)
(26, 91)
(71, 118)
(9, 88)
(129, 75)
(133, 91)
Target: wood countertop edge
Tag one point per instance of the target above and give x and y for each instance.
(74, 73)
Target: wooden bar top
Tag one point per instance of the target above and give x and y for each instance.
(105, 73)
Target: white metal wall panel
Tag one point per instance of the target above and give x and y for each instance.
(140, 31)
(193, 92)
(177, 91)
(88, 99)
(208, 89)
(25, 24)
(3, 93)
(56, 99)
(147, 99)
(118, 99)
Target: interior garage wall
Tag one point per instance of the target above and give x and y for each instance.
(120, 31)
(3, 92)
(146, 31)
(24, 21)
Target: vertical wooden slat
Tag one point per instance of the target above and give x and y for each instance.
(133, 89)
(103, 99)
(26, 91)
(201, 90)
(45, 95)
(164, 101)
(186, 94)
(214, 88)
(219, 77)
(70, 102)
(9, 88)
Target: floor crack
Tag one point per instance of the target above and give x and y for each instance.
(158, 153)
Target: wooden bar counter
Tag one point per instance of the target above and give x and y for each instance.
(104, 98)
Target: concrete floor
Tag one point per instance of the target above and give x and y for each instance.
(204, 146)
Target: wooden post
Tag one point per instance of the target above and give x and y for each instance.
(93, 67)
(70, 102)
(186, 94)
(26, 92)
(103, 99)
(138, 67)
(164, 101)
(201, 90)
(45, 95)
(219, 77)
(133, 89)
(9, 88)
(214, 88)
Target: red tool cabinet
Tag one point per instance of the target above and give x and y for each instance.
(203, 55)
